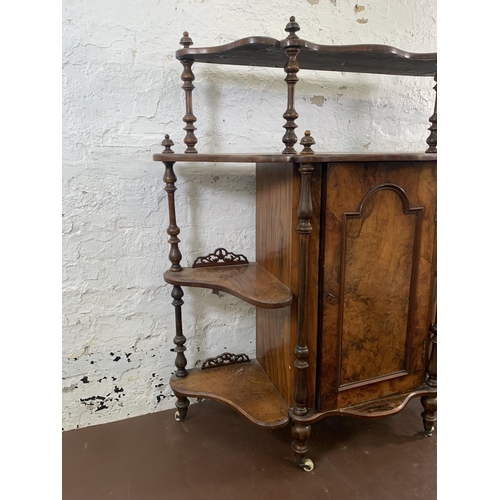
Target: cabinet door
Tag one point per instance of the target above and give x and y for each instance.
(378, 241)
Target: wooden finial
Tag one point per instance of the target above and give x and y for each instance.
(292, 27)
(307, 141)
(168, 143)
(186, 40)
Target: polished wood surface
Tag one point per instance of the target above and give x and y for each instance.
(245, 387)
(291, 159)
(270, 52)
(379, 262)
(277, 250)
(249, 282)
(377, 407)
(379, 240)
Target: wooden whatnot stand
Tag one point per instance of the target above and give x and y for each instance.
(345, 268)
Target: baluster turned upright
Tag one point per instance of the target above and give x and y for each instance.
(428, 402)
(300, 430)
(432, 139)
(175, 257)
(187, 77)
(291, 70)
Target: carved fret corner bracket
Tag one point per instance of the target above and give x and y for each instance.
(227, 358)
(220, 257)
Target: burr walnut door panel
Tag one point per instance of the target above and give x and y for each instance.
(379, 229)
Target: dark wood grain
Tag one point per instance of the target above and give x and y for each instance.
(362, 58)
(249, 282)
(273, 250)
(399, 279)
(378, 267)
(245, 387)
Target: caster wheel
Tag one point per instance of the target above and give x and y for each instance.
(429, 432)
(178, 417)
(199, 400)
(307, 465)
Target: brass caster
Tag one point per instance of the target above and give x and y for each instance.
(429, 432)
(178, 417)
(307, 465)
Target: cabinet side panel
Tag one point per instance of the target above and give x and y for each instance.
(277, 250)
(379, 240)
(273, 213)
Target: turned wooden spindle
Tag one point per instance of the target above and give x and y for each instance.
(291, 70)
(175, 257)
(182, 402)
(432, 139)
(307, 141)
(188, 77)
(430, 402)
(179, 339)
(173, 230)
(301, 431)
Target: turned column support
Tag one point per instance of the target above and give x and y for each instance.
(188, 77)
(301, 431)
(432, 139)
(291, 69)
(173, 230)
(175, 257)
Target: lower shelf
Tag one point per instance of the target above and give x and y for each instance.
(245, 387)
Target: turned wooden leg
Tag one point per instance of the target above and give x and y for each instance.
(300, 434)
(429, 414)
(182, 404)
(430, 402)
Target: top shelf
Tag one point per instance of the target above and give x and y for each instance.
(270, 52)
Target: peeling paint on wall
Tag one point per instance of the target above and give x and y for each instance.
(318, 100)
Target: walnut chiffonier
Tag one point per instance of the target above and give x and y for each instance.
(345, 274)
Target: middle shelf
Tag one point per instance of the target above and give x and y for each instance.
(249, 282)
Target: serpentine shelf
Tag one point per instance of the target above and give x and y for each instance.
(249, 282)
(269, 52)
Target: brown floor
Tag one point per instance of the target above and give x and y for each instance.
(216, 454)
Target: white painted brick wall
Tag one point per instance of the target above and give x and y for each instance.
(121, 94)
